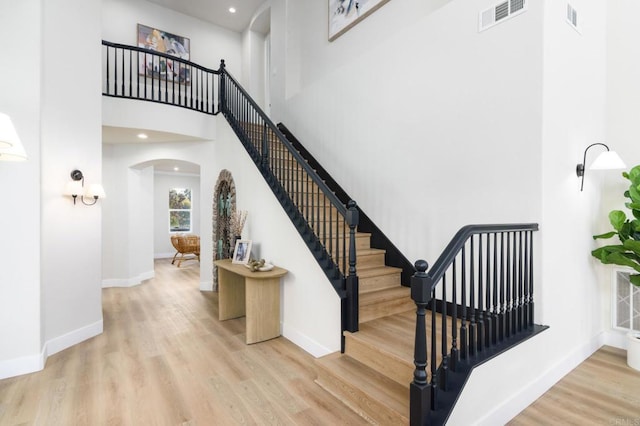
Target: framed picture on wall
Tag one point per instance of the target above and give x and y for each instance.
(344, 14)
(241, 252)
(171, 44)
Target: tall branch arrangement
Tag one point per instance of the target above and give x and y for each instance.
(237, 222)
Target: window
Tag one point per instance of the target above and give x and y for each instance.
(180, 210)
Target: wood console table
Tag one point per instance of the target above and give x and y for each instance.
(255, 295)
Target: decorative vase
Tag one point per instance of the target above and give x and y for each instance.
(633, 350)
(233, 246)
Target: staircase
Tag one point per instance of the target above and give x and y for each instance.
(406, 354)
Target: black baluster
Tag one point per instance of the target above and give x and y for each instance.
(494, 317)
(434, 348)
(488, 327)
(503, 271)
(444, 366)
(107, 87)
(473, 326)
(454, 320)
(531, 301)
(480, 314)
(464, 338)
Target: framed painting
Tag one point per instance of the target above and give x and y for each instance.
(344, 14)
(157, 40)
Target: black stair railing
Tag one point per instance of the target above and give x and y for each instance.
(479, 295)
(142, 74)
(327, 224)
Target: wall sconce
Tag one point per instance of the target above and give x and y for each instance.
(76, 187)
(11, 148)
(607, 160)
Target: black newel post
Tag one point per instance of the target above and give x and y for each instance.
(222, 95)
(352, 217)
(420, 391)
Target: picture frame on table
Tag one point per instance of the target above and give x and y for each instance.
(241, 252)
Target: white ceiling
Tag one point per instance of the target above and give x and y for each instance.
(217, 11)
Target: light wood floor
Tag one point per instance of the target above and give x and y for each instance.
(165, 359)
(603, 390)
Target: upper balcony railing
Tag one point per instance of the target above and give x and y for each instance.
(137, 73)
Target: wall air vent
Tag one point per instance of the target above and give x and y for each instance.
(626, 303)
(572, 17)
(501, 12)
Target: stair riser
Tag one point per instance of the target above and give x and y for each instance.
(371, 409)
(398, 370)
(370, 312)
(379, 282)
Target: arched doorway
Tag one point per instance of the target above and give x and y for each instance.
(224, 206)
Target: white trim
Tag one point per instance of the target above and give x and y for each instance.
(163, 255)
(128, 282)
(532, 391)
(32, 363)
(303, 341)
(23, 365)
(65, 341)
(615, 338)
(206, 285)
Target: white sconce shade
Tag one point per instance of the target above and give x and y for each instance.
(11, 148)
(73, 188)
(608, 160)
(95, 190)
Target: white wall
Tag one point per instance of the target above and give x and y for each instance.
(164, 182)
(20, 306)
(209, 44)
(310, 307)
(71, 235)
(52, 279)
(623, 106)
(428, 124)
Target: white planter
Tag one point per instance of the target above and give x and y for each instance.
(633, 350)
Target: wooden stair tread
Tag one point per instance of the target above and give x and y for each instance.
(376, 386)
(377, 271)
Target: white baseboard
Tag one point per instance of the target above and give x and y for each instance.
(23, 365)
(163, 255)
(511, 407)
(302, 340)
(206, 285)
(65, 341)
(617, 339)
(32, 363)
(128, 282)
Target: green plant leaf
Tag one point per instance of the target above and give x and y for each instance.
(617, 219)
(634, 193)
(605, 236)
(635, 279)
(620, 259)
(632, 245)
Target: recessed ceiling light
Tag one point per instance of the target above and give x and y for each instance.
(142, 136)
(232, 10)
(175, 169)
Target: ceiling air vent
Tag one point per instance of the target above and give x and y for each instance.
(501, 12)
(572, 17)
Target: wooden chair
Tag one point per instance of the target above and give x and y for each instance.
(187, 246)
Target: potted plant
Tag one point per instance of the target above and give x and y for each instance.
(627, 253)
